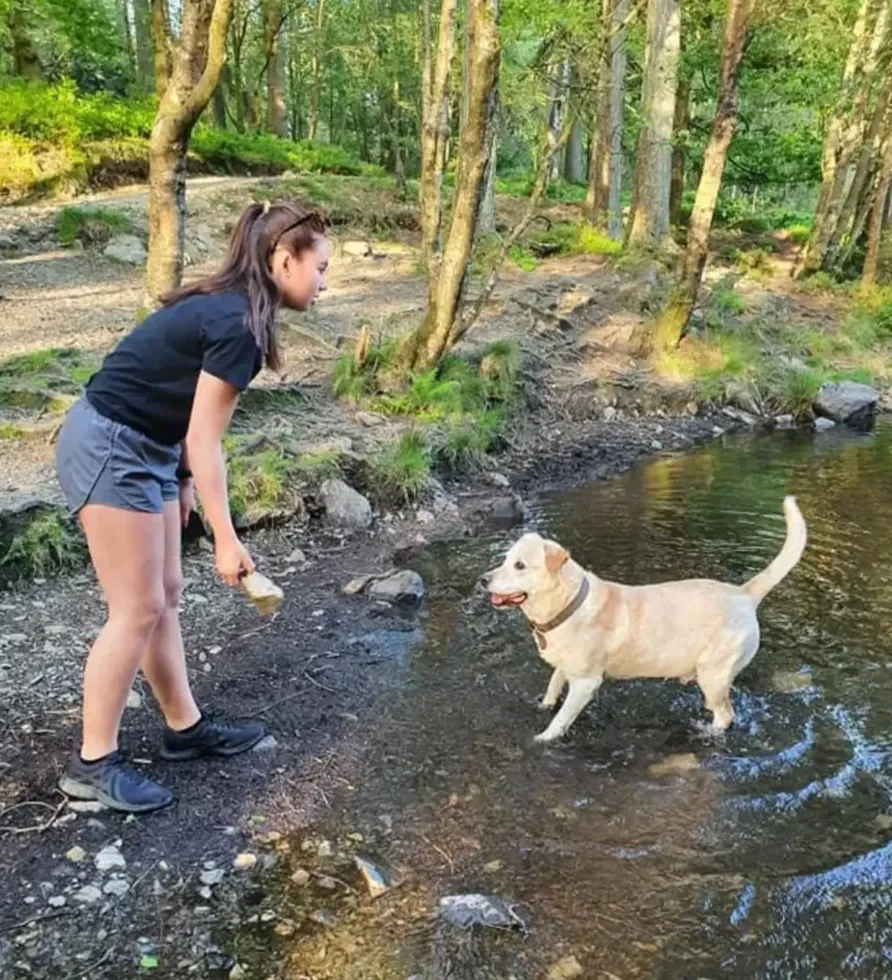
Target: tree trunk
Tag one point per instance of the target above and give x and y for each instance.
(679, 150)
(671, 324)
(558, 96)
(441, 327)
(846, 130)
(25, 60)
(142, 25)
(316, 72)
(186, 93)
(162, 61)
(276, 112)
(127, 37)
(595, 205)
(877, 215)
(434, 123)
(650, 223)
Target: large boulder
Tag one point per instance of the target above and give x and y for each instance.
(344, 506)
(848, 402)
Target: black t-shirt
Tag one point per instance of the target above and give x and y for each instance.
(148, 381)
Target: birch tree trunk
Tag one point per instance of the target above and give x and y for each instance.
(196, 60)
(671, 324)
(650, 222)
(276, 112)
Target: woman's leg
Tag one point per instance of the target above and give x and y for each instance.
(164, 662)
(127, 551)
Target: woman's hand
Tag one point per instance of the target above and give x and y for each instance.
(187, 501)
(233, 561)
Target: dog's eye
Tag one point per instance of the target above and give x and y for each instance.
(519, 565)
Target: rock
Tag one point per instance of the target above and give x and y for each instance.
(884, 821)
(297, 557)
(56, 901)
(789, 681)
(376, 879)
(117, 887)
(847, 402)
(565, 969)
(784, 421)
(267, 744)
(370, 420)
(609, 414)
(325, 918)
(238, 973)
(357, 249)
(672, 764)
(88, 895)
(656, 445)
(326, 883)
(398, 587)
(76, 855)
(126, 248)
(325, 850)
(301, 878)
(134, 699)
(357, 585)
(212, 877)
(108, 858)
(344, 506)
(266, 595)
(742, 396)
(425, 517)
(739, 415)
(244, 862)
(499, 480)
(822, 424)
(480, 910)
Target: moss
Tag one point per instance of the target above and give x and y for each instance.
(89, 224)
(47, 545)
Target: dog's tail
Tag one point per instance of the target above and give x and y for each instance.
(759, 586)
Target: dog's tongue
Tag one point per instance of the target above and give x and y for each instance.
(515, 599)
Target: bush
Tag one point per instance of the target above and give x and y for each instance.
(402, 470)
(89, 224)
(48, 545)
(241, 151)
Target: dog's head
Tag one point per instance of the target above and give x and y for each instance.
(529, 569)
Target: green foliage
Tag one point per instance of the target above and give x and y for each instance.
(523, 258)
(573, 238)
(259, 482)
(81, 223)
(47, 545)
(402, 469)
(227, 150)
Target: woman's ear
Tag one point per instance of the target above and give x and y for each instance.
(555, 556)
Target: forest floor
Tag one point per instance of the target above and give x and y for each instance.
(91, 894)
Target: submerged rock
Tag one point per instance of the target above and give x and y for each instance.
(480, 910)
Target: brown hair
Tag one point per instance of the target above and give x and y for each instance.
(259, 231)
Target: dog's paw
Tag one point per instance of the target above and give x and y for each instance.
(544, 705)
(546, 737)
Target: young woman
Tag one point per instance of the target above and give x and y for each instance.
(154, 414)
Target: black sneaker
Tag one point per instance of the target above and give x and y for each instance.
(113, 784)
(211, 738)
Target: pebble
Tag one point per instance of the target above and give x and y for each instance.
(57, 901)
(212, 878)
(76, 855)
(244, 862)
(267, 744)
(108, 858)
(329, 884)
(325, 850)
(205, 892)
(86, 806)
(301, 878)
(425, 517)
(324, 918)
(297, 557)
(492, 867)
(680, 762)
(117, 887)
(376, 879)
(565, 969)
(88, 895)
(134, 699)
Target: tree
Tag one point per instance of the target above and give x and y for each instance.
(195, 59)
(316, 71)
(142, 23)
(25, 60)
(878, 214)
(670, 326)
(441, 326)
(653, 173)
(850, 147)
(276, 110)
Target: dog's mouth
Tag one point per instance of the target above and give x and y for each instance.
(502, 600)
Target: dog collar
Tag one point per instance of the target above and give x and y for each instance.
(540, 629)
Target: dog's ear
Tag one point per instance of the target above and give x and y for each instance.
(555, 556)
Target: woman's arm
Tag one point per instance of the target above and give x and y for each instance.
(212, 409)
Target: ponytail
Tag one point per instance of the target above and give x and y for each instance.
(260, 229)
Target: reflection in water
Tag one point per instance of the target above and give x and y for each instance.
(769, 859)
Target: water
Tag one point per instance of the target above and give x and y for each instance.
(641, 845)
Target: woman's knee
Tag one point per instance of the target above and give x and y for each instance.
(173, 590)
(142, 612)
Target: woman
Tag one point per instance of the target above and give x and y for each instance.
(154, 414)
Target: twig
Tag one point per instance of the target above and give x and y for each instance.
(439, 851)
(105, 956)
(340, 881)
(38, 828)
(57, 914)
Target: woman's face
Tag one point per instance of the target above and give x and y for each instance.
(301, 278)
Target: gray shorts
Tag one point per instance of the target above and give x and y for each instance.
(103, 462)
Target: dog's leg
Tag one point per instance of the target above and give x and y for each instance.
(717, 693)
(578, 696)
(555, 686)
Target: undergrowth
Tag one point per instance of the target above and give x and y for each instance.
(48, 545)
